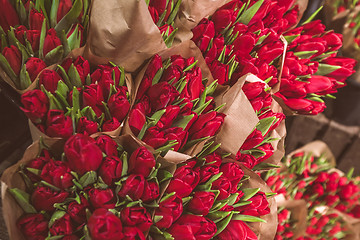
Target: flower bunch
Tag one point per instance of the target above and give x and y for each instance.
(257, 147)
(242, 38)
(173, 107)
(285, 227)
(311, 70)
(96, 188)
(326, 226)
(34, 36)
(207, 199)
(330, 197)
(163, 13)
(72, 99)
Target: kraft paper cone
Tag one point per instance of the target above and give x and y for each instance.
(240, 118)
(317, 148)
(298, 211)
(123, 32)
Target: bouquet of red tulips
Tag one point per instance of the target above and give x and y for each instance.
(35, 36)
(72, 99)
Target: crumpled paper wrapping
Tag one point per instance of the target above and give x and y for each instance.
(123, 32)
(240, 118)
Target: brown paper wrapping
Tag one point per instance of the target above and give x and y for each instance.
(7, 79)
(240, 118)
(123, 32)
(192, 11)
(298, 211)
(317, 148)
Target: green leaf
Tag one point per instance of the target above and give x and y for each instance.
(125, 165)
(305, 54)
(75, 100)
(155, 118)
(62, 89)
(74, 40)
(173, 13)
(54, 102)
(350, 173)
(242, 203)
(170, 39)
(207, 185)
(217, 216)
(247, 218)
(157, 76)
(193, 142)
(42, 40)
(249, 193)
(183, 121)
(34, 171)
(20, 9)
(23, 199)
(63, 38)
(291, 38)
(265, 124)
(88, 179)
(164, 175)
(264, 166)
(25, 80)
(55, 55)
(157, 218)
(74, 76)
(249, 13)
(223, 224)
(9, 71)
(312, 16)
(64, 76)
(53, 13)
(70, 18)
(56, 215)
(167, 147)
(191, 66)
(325, 69)
(167, 196)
